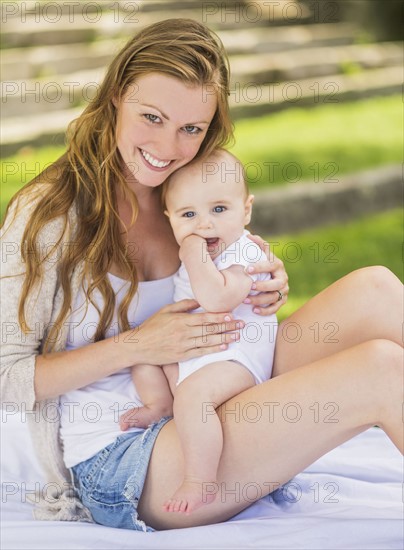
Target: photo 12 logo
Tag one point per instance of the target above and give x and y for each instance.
(69, 12)
(270, 11)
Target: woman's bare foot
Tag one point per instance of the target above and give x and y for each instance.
(191, 495)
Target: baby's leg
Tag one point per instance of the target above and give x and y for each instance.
(153, 389)
(200, 429)
(171, 373)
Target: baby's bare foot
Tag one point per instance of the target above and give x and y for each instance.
(191, 495)
(139, 417)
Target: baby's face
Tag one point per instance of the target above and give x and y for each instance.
(209, 200)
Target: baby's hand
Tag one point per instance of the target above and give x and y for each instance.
(190, 244)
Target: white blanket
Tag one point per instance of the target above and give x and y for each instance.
(351, 498)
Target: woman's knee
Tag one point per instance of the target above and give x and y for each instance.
(386, 356)
(375, 277)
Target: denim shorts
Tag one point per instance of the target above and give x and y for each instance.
(110, 483)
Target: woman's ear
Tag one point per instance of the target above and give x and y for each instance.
(248, 209)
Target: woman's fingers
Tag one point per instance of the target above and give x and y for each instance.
(217, 326)
(268, 303)
(204, 324)
(214, 334)
(261, 243)
(174, 334)
(204, 350)
(268, 309)
(222, 321)
(268, 298)
(215, 339)
(272, 292)
(274, 266)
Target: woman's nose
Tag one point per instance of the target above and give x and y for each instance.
(170, 148)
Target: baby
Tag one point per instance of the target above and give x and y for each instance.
(208, 205)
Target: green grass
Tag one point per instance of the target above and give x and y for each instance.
(20, 169)
(314, 259)
(305, 144)
(320, 145)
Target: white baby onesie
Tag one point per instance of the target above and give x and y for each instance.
(255, 350)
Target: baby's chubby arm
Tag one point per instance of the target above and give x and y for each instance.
(215, 290)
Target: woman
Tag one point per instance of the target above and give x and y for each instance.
(88, 249)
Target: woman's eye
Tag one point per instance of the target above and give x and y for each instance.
(192, 130)
(189, 214)
(152, 118)
(219, 209)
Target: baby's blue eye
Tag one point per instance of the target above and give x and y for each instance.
(189, 214)
(219, 209)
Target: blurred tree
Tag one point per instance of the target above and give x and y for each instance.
(381, 19)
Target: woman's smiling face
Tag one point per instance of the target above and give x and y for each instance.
(161, 124)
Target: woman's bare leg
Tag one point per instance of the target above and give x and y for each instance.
(365, 305)
(272, 431)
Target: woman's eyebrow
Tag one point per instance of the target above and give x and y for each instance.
(167, 118)
(156, 108)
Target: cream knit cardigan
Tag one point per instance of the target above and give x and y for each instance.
(57, 499)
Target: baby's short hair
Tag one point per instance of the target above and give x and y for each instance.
(217, 156)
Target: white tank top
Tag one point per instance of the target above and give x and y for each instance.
(90, 415)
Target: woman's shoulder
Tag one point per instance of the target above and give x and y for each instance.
(23, 205)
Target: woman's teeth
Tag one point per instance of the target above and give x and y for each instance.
(154, 162)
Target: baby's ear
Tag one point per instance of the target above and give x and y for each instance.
(248, 209)
(167, 213)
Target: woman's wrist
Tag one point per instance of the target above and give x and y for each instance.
(64, 371)
(129, 350)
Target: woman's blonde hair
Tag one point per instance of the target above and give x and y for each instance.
(88, 175)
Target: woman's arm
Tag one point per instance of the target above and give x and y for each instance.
(58, 373)
(214, 290)
(168, 336)
(26, 376)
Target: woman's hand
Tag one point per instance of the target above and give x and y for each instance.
(173, 334)
(274, 292)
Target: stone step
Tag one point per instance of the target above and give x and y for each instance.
(291, 37)
(20, 31)
(61, 59)
(44, 95)
(254, 100)
(64, 91)
(28, 63)
(305, 205)
(306, 63)
(36, 130)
